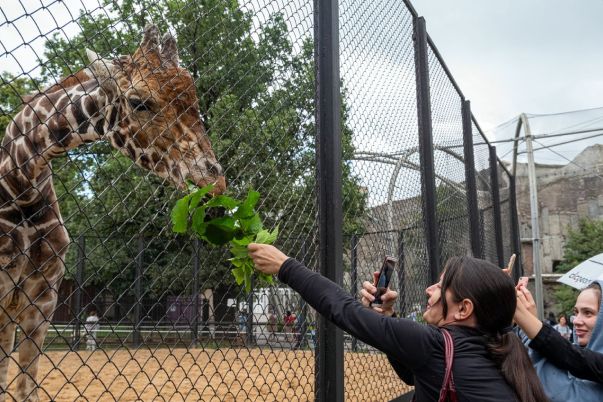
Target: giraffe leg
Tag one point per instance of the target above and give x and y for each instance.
(30, 348)
(34, 322)
(9, 275)
(7, 339)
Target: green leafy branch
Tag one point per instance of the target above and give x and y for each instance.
(239, 226)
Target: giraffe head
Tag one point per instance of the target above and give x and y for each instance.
(156, 121)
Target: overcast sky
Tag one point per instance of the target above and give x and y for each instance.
(508, 57)
(514, 56)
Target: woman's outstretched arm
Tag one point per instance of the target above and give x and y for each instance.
(403, 339)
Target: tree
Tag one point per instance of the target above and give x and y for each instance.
(12, 90)
(582, 243)
(257, 101)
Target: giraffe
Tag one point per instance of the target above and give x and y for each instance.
(146, 106)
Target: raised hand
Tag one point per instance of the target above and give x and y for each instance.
(388, 298)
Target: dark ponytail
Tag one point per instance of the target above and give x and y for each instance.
(510, 355)
(494, 300)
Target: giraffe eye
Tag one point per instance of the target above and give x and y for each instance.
(138, 105)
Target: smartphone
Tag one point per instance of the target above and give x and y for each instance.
(523, 281)
(385, 276)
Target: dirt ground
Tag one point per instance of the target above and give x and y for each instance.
(203, 375)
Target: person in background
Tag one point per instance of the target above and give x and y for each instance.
(288, 321)
(301, 329)
(563, 328)
(551, 319)
(474, 302)
(271, 325)
(568, 372)
(242, 318)
(91, 326)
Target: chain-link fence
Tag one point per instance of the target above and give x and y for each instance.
(101, 301)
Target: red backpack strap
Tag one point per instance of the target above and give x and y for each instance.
(448, 391)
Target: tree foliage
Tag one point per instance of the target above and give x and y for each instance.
(256, 99)
(12, 90)
(582, 243)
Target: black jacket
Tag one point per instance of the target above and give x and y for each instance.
(415, 350)
(580, 362)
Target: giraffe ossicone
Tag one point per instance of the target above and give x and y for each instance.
(146, 106)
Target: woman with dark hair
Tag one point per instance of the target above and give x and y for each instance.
(557, 361)
(474, 302)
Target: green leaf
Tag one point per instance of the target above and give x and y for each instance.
(243, 241)
(238, 262)
(198, 195)
(239, 275)
(220, 231)
(239, 251)
(248, 274)
(198, 224)
(246, 209)
(179, 215)
(222, 201)
(266, 237)
(251, 225)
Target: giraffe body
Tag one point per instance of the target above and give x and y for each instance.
(145, 105)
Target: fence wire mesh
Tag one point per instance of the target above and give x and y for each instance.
(101, 301)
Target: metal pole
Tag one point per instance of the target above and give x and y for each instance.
(137, 338)
(534, 215)
(304, 306)
(250, 338)
(518, 270)
(496, 207)
(195, 291)
(354, 278)
(329, 370)
(401, 276)
(472, 202)
(426, 148)
(482, 234)
(77, 293)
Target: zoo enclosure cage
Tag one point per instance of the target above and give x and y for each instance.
(390, 138)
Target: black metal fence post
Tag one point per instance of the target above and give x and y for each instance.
(401, 275)
(515, 233)
(137, 316)
(426, 147)
(354, 277)
(496, 207)
(329, 370)
(195, 291)
(77, 293)
(250, 338)
(303, 321)
(472, 202)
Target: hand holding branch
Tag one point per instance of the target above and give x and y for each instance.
(267, 259)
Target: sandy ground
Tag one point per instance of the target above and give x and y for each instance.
(203, 375)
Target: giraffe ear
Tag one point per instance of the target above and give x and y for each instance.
(103, 70)
(100, 67)
(150, 39)
(169, 50)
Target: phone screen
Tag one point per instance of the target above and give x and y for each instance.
(385, 276)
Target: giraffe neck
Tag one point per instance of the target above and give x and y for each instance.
(65, 116)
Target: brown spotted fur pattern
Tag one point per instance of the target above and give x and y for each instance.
(146, 106)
